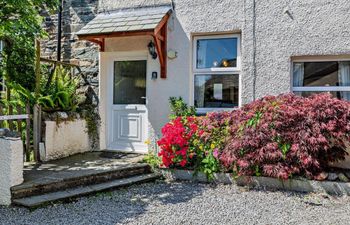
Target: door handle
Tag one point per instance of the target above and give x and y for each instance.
(143, 97)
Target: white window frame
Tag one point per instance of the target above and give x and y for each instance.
(213, 69)
(235, 71)
(318, 88)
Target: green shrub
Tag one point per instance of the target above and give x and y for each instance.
(61, 96)
(180, 109)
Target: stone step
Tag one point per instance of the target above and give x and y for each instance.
(60, 181)
(38, 200)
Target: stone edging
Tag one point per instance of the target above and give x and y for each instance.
(297, 185)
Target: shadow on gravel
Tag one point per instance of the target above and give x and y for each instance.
(115, 207)
(160, 193)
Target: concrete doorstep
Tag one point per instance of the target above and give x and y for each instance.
(78, 175)
(36, 201)
(297, 185)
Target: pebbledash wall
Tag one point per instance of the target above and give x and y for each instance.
(272, 34)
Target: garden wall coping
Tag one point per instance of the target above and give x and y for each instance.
(297, 185)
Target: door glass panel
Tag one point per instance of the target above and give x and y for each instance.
(129, 82)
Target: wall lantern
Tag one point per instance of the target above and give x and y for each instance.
(152, 50)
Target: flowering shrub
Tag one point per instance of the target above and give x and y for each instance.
(212, 135)
(194, 142)
(175, 143)
(288, 135)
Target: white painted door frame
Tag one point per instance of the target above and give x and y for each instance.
(141, 146)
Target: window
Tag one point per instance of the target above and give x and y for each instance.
(322, 76)
(216, 67)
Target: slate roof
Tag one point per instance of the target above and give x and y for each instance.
(114, 5)
(137, 19)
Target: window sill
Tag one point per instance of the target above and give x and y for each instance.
(204, 111)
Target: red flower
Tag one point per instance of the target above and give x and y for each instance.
(175, 142)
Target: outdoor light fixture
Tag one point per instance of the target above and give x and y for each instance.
(152, 50)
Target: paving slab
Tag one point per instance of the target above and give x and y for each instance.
(77, 166)
(35, 201)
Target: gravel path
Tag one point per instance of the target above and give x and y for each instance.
(187, 203)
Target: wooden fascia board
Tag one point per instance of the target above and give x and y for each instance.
(117, 34)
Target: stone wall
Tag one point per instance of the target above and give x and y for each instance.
(76, 14)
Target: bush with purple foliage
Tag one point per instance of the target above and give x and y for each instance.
(288, 135)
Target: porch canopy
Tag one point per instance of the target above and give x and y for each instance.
(139, 21)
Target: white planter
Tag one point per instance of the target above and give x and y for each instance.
(11, 167)
(64, 139)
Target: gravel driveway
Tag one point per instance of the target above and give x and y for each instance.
(188, 203)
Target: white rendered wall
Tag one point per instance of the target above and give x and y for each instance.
(65, 139)
(11, 167)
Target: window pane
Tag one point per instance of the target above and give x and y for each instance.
(216, 91)
(216, 53)
(129, 82)
(345, 95)
(319, 74)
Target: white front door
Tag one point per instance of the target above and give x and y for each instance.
(129, 119)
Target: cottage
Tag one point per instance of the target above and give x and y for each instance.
(217, 55)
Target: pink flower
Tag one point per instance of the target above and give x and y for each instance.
(216, 153)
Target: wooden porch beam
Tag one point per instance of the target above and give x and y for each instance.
(159, 49)
(162, 23)
(160, 39)
(100, 42)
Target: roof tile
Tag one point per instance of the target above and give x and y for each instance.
(149, 26)
(135, 27)
(123, 28)
(135, 22)
(108, 30)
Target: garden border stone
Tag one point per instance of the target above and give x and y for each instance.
(297, 185)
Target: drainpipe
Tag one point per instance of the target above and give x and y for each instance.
(254, 50)
(59, 31)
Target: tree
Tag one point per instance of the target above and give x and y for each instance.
(20, 24)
